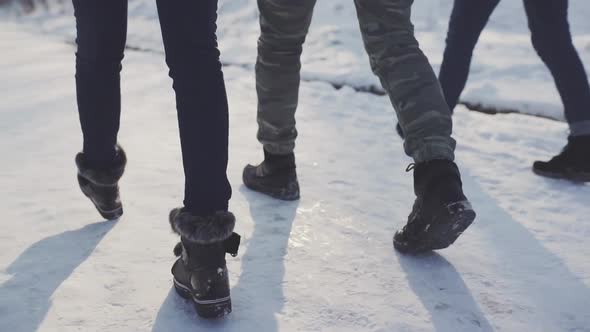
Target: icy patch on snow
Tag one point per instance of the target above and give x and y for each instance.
(4, 277)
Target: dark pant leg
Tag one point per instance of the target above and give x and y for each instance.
(468, 19)
(552, 40)
(101, 31)
(189, 32)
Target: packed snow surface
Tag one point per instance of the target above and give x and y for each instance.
(506, 73)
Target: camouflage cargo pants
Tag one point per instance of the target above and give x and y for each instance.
(395, 57)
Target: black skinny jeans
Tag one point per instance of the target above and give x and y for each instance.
(188, 29)
(551, 39)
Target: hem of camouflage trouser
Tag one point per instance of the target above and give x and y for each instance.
(279, 149)
(433, 152)
(581, 128)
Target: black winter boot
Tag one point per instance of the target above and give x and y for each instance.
(400, 131)
(276, 176)
(441, 211)
(573, 163)
(101, 185)
(200, 272)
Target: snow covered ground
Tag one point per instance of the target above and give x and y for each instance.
(325, 263)
(506, 74)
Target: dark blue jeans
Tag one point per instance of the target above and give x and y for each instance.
(189, 33)
(551, 39)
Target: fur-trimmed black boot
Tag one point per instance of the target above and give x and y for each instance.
(101, 186)
(200, 272)
(573, 163)
(441, 211)
(276, 176)
(400, 131)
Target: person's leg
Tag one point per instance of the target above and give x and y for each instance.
(101, 32)
(407, 76)
(283, 26)
(468, 19)
(204, 224)
(551, 37)
(441, 211)
(189, 33)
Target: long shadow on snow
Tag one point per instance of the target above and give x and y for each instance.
(443, 293)
(40, 270)
(259, 291)
(558, 295)
(555, 296)
(258, 295)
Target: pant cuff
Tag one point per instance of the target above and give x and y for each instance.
(581, 128)
(431, 151)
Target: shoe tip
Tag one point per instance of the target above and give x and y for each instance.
(539, 165)
(174, 213)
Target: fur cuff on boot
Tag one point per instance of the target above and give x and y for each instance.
(202, 230)
(105, 177)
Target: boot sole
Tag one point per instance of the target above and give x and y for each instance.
(107, 214)
(275, 195)
(208, 309)
(281, 193)
(443, 231)
(578, 178)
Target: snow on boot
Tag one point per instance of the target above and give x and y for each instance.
(276, 176)
(441, 211)
(101, 185)
(573, 163)
(200, 272)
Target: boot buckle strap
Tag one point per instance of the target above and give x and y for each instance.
(232, 243)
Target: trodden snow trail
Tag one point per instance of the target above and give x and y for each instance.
(325, 263)
(506, 73)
